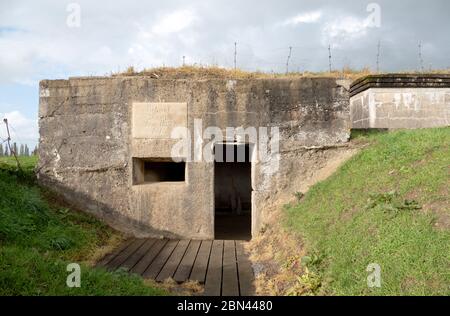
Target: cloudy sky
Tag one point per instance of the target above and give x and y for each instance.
(57, 39)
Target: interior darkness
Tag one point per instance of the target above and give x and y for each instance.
(232, 191)
(166, 171)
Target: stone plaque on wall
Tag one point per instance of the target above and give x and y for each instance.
(157, 120)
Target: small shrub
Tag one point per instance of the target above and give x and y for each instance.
(299, 196)
(390, 202)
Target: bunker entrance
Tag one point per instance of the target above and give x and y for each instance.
(232, 191)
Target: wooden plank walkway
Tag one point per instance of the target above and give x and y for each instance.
(221, 266)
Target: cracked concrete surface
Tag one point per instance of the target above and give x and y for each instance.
(88, 121)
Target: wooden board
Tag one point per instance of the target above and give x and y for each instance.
(120, 258)
(213, 283)
(222, 266)
(230, 283)
(245, 270)
(173, 262)
(106, 259)
(135, 257)
(148, 258)
(160, 260)
(187, 263)
(201, 262)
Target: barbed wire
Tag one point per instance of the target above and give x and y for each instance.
(256, 57)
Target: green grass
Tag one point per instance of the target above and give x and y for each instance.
(377, 209)
(38, 238)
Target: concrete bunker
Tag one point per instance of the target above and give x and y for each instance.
(107, 146)
(395, 101)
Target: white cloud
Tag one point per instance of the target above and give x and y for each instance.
(343, 30)
(174, 22)
(160, 43)
(23, 130)
(36, 43)
(307, 17)
(43, 46)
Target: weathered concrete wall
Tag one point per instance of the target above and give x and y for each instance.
(87, 144)
(399, 101)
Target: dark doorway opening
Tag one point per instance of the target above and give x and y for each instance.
(232, 191)
(161, 170)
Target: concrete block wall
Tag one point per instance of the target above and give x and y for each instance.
(400, 101)
(87, 144)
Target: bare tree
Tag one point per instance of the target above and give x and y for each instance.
(12, 151)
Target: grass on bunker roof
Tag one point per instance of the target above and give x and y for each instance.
(387, 205)
(39, 237)
(213, 72)
(198, 72)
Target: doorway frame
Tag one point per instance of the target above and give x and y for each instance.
(252, 154)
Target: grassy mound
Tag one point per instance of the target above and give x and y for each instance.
(39, 238)
(198, 72)
(388, 205)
